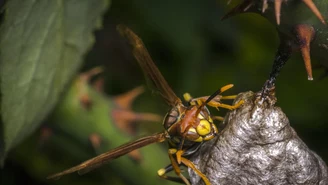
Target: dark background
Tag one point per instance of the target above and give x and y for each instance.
(196, 53)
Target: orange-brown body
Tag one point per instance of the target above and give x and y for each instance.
(186, 127)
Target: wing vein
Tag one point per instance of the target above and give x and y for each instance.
(99, 160)
(149, 68)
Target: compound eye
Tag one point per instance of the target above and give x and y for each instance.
(203, 128)
(171, 118)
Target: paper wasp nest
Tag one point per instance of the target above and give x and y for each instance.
(258, 146)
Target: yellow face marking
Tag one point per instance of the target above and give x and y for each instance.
(203, 128)
(199, 139)
(209, 138)
(200, 116)
(193, 130)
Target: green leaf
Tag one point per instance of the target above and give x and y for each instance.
(42, 44)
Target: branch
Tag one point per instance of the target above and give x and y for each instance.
(258, 146)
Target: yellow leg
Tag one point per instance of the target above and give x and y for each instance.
(226, 106)
(226, 87)
(232, 97)
(175, 167)
(188, 97)
(215, 102)
(179, 154)
(166, 170)
(193, 167)
(219, 118)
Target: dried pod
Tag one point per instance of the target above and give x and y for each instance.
(258, 146)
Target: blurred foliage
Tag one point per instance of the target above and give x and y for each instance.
(42, 45)
(197, 53)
